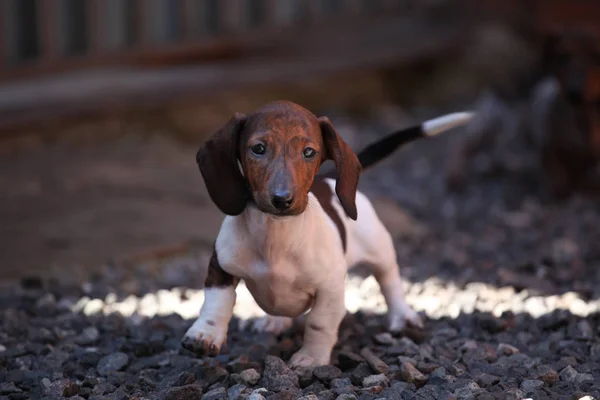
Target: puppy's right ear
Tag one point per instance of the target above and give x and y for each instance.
(218, 163)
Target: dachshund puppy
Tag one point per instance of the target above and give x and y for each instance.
(292, 234)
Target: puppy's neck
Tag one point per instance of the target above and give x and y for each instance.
(273, 234)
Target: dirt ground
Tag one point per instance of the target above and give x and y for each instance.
(72, 205)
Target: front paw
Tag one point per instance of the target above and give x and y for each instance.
(398, 320)
(305, 358)
(205, 339)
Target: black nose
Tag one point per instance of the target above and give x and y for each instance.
(282, 200)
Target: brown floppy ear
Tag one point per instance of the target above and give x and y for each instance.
(347, 166)
(218, 163)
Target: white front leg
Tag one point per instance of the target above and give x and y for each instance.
(209, 332)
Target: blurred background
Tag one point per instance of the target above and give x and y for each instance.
(106, 228)
(103, 104)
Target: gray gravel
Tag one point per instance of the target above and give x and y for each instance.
(509, 285)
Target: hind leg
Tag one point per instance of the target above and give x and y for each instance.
(379, 253)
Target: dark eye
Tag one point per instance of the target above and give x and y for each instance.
(309, 152)
(258, 149)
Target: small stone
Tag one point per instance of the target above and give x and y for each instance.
(440, 376)
(531, 385)
(249, 377)
(146, 383)
(584, 330)
(305, 376)
(375, 380)
(188, 392)
(326, 373)
(112, 363)
(71, 389)
(315, 387)
(403, 359)
(346, 396)
(547, 375)
(9, 388)
(326, 395)
(513, 394)
(384, 338)
(426, 367)
(236, 391)
(484, 395)
(487, 380)
(404, 347)
(103, 388)
(309, 397)
(256, 396)
(46, 301)
(360, 373)
(340, 382)
(376, 364)
(286, 394)
(491, 324)
(580, 378)
(210, 374)
(88, 336)
(467, 391)
(348, 360)
(62, 388)
(277, 376)
(507, 349)
(185, 378)
(412, 375)
(241, 363)
(216, 394)
(568, 374)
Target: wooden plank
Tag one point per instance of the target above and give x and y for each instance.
(189, 18)
(143, 23)
(96, 24)
(315, 10)
(113, 24)
(50, 39)
(4, 34)
(353, 7)
(231, 15)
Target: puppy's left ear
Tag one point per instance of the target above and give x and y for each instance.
(347, 166)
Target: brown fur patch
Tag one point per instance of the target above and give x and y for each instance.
(324, 195)
(216, 277)
(285, 130)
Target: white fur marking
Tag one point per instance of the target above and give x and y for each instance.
(441, 124)
(211, 326)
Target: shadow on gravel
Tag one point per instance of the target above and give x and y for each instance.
(48, 351)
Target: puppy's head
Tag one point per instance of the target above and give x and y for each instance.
(271, 157)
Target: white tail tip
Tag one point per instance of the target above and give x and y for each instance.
(438, 125)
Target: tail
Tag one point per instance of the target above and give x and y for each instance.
(377, 151)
